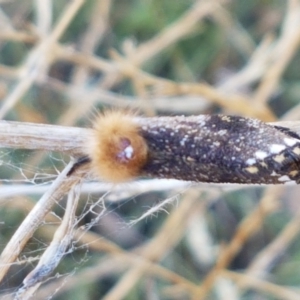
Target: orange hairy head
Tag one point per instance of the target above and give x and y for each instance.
(117, 150)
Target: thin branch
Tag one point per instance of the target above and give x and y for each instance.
(58, 189)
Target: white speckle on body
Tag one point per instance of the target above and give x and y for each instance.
(128, 152)
(260, 154)
(274, 174)
(250, 161)
(290, 142)
(276, 148)
(284, 178)
(292, 182)
(222, 132)
(190, 159)
(226, 118)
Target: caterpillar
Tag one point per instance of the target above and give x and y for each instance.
(203, 148)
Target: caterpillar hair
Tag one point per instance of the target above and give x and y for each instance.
(117, 150)
(204, 148)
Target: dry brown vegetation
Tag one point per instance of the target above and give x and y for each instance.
(60, 62)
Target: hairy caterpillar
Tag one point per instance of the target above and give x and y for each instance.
(204, 148)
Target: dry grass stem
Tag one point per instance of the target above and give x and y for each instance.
(278, 292)
(250, 225)
(158, 246)
(54, 252)
(58, 189)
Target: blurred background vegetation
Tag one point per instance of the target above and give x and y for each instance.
(62, 61)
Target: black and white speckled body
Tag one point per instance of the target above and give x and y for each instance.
(220, 149)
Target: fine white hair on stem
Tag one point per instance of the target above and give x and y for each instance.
(57, 190)
(155, 209)
(55, 251)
